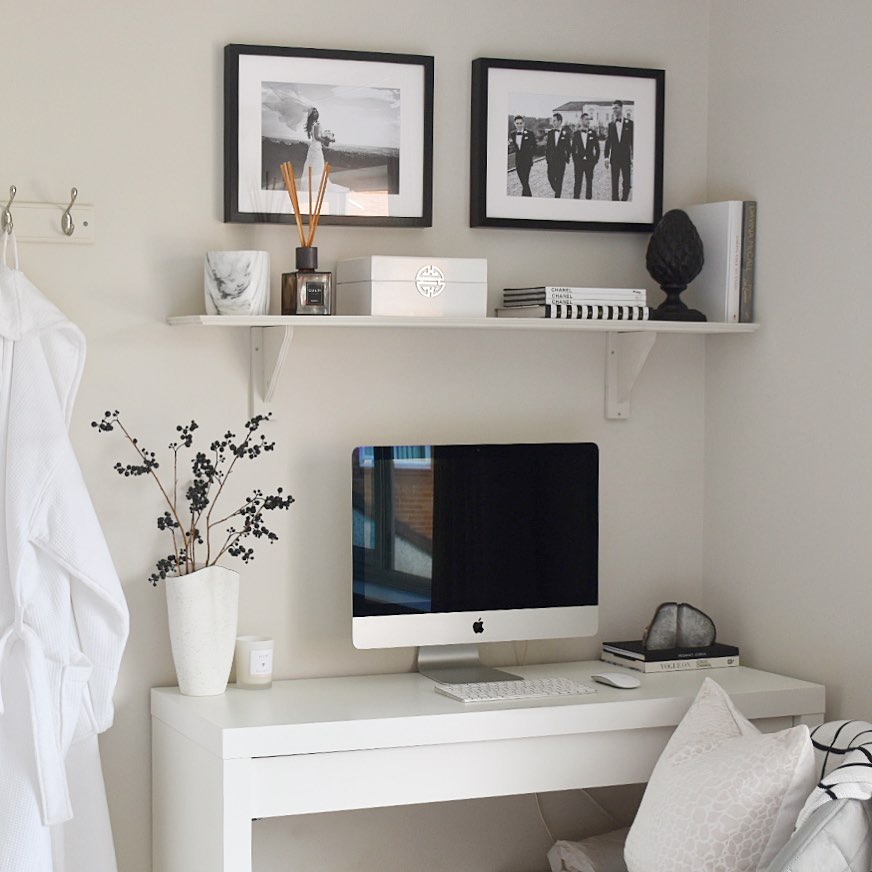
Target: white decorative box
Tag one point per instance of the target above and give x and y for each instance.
(434, 286)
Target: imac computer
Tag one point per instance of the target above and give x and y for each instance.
(458, 544)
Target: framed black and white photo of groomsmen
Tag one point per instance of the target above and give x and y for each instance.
(565, 146)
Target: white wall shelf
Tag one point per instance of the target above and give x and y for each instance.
(628, 343)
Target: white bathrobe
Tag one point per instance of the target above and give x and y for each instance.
(63, 618)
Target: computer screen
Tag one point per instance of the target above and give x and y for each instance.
(459, 544)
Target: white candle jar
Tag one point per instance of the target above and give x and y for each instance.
(254, 662)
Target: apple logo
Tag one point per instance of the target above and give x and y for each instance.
(478, 626)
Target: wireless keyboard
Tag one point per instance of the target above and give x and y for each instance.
(495, 691)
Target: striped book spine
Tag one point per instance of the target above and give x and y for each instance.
(598, 313)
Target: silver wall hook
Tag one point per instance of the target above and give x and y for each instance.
(67, 224)
(6, 218)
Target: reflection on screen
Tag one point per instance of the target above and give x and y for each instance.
(467, 527)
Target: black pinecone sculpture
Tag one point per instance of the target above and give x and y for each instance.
(674, 259)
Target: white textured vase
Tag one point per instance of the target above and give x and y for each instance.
(237, 282)
(202, 608)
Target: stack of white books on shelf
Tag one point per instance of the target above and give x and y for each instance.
(634, 655)
(590, 304)
(724, 289)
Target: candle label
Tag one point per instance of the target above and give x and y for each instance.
(260, 662)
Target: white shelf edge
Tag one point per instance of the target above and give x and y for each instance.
(375, 321)
(271, 337)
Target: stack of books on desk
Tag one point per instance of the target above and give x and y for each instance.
(592, 304)
(633, 655)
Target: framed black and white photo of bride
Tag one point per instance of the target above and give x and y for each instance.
(561, 146)
(364, 119)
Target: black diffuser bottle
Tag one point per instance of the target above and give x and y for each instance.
(307, 291)
(674, 259)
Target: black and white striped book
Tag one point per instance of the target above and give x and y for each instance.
(581, 312)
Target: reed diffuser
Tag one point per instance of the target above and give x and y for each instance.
(307, 291)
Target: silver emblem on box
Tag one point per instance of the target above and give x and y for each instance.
(430, 281)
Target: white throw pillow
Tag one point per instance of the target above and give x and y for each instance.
(603, 853)
(723, 797)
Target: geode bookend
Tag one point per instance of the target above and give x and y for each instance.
(679, 625)
(674, 259)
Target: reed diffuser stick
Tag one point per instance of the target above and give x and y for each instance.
(286, 177)
(291, 187)
(290, 179)
(296, 200)
(319, 203)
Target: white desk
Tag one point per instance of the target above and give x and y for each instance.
(327, 744)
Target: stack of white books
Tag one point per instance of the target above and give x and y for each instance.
(594, 304)
(724, 289)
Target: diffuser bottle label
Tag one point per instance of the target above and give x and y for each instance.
(314, 293)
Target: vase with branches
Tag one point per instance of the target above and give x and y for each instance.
(202, 535)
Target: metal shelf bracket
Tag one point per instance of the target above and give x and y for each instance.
(626, 354)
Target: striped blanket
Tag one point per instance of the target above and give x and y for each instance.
(843, 754)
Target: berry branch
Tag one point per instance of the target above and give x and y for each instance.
(208, 473)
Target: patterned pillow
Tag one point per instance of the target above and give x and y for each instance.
(843, 762)
(723, 796)
(834, 828)
(603, 853)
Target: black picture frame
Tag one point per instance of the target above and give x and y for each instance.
(381, 157)
(536, 90)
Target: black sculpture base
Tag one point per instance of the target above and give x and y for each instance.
(673, 309)
(685, 314)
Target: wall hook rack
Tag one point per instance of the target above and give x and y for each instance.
(7, 213)
(49, 222)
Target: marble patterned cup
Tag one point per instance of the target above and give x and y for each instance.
(237, 282)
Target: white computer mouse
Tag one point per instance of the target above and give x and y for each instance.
(617, 679)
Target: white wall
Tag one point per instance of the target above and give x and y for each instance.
(124, 101)
(788, 478)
